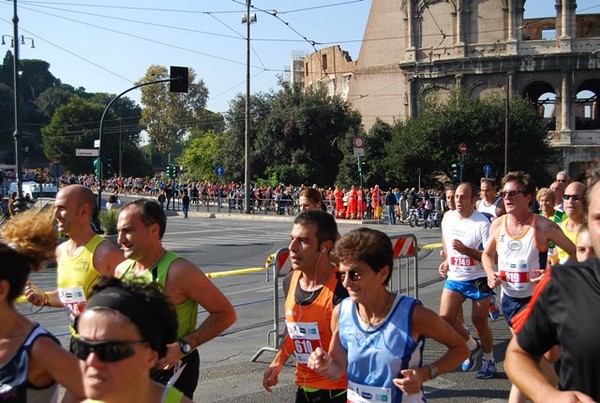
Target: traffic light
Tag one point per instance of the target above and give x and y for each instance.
(97, 168)
(109, 167)
(171, 171)
(454, 170)
(179, 79)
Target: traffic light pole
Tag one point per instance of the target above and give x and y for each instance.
(101, 130)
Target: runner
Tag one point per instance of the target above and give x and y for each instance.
(311, 292)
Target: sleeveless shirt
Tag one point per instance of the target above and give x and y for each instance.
(518, 257)
(309, 327)
(76, 275)
(377, 355)
(187, 311)
(14, 386)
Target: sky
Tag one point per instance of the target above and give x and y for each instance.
(106, 46)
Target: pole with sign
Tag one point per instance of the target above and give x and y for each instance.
(359, 150)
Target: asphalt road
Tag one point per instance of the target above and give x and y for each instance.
(228, 243)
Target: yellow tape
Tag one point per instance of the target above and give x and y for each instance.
(432, 246)
(234, 272)
(21, 298)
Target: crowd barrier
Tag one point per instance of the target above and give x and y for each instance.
(405, 257)
(279, 266)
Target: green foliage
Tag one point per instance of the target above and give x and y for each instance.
(72, 126)
(294, 135)
(108, 219)
(430, 142)
(201, 155)
(169, 116)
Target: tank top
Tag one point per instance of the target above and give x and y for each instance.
(572, 235)
(518, 257)
(377, 355)
(76, 275)
(14, 386)
(309, 327)
(187, 311)
(489, 211)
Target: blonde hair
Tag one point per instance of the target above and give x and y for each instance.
(31, 233)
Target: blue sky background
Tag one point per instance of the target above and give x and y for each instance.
(107, 46)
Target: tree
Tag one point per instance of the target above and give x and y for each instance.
(374, 168)
(168, 116)
(75, 125)
(430, 142)
(294, 134)
(201, 155)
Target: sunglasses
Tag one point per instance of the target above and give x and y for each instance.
(511, 193)
(574, 197)
(352, 275)
(106, 351)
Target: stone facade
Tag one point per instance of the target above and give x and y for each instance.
(412, 48)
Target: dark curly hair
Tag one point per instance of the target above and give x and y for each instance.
(154, 316)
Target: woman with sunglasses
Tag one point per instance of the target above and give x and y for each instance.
(31, 359)
(122, 333)
(379, 335)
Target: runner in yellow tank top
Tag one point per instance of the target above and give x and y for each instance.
(82, 259)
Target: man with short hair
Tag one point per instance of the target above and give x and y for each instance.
(563, 177)
(312, 291)
(490, 204)
(465, 232)
(563, 312)
(81, 260)
(141, 225)
(519, 239)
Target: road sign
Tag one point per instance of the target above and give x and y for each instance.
(87, 152)
(462, 148)
(359, 152)
(219, 170)
(358, 142)
(56, 170)
(487, 170)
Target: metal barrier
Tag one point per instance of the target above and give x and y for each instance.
(405, 253)
(280, 265)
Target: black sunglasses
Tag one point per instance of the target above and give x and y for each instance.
(574, 197)
(106, 351)
(352, 274)
(511, 193)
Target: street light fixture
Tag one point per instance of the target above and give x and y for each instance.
(247, 19)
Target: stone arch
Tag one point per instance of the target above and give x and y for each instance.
(586, 106)
(543, 95)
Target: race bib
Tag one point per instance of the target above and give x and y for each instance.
(462, 262)
(515, 274)
(73, 300)
(306, 338)
(358, 393)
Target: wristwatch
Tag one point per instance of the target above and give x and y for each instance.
(184, 346)
(433, 371)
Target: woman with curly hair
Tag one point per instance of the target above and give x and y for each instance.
(32, 360)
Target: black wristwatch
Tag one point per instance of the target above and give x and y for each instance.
(184, 346)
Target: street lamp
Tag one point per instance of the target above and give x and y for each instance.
(247, 19)
(17, 132)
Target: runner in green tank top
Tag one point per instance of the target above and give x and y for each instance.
(141, 225)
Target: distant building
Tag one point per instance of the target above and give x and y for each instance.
(413, 48)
